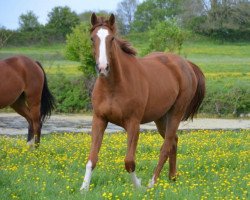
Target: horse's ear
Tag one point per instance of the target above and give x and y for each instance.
(93, 19)
(112, 19)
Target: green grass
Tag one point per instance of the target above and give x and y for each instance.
(211, 165)
(51, 57)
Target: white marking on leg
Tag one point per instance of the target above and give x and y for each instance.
(103, 61)
(87, 177)
(31, 142)
(151, 182)
(136, 181)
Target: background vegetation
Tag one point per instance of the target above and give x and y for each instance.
(213, 34)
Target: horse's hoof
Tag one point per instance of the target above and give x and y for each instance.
(151, 183)
(84, 187)
(137, 184)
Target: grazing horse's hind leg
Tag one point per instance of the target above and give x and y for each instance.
(31, 112)
(21, 108)
(36, 122)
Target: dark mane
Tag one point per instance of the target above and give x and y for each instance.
(126, 46)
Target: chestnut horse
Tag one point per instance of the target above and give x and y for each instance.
(129, 91)
(24, 88)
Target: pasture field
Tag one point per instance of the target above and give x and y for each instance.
(230, 61)
(223, 60)
(226, 68)
(211, 165)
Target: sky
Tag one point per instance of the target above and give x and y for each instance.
(10, 10)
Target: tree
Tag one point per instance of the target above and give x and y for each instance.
(85, 16)
(125, 14)
(228, 19)
(4, 36)
(150, 12)
(28, 22)
(192, 13)
(62, 20)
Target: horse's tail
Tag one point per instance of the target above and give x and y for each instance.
(199, 94)
(47, 100)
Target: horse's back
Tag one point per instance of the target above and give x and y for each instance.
(18, 74)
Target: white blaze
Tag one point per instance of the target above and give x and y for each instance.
(103, 61)
(87, 177)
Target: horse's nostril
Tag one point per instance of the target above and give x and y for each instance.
(107, 68)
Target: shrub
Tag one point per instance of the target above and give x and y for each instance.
(70, 93)
(78, 48)
(225, 100)
(167, 35)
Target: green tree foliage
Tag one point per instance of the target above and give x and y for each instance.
(166, 36)
(85, 16)
(61, 21)
(79, 48)
(150, 12)
(29, 22)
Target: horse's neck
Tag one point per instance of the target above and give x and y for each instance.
(118, 66)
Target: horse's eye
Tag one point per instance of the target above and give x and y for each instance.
(112, 38)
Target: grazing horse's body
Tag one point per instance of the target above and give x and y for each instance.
(24, 88)
(160, 87)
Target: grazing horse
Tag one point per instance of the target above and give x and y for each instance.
(129, 91)
(24, 88)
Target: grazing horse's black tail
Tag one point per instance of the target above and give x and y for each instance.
(199, 94)
(47, 100)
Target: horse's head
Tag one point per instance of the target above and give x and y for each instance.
(102, 36)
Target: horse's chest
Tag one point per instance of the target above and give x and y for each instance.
(111, 108)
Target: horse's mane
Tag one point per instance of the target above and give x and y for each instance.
(126, 46)
(123, 44)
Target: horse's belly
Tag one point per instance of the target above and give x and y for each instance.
(9, 93)
(159, 103)
(155, 114)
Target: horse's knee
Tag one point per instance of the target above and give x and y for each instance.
(129, 165)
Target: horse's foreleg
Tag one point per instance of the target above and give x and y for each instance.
(133, 136)
(98, 127)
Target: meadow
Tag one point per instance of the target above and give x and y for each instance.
(211, 165)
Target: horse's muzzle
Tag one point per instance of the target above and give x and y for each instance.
(102, 71)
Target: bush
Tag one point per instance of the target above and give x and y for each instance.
(223, 100)
(79, 48)
(167, 35)
(70, 93)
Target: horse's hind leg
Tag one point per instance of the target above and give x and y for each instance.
(35, 120)
(169, 146)
(21, 108)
